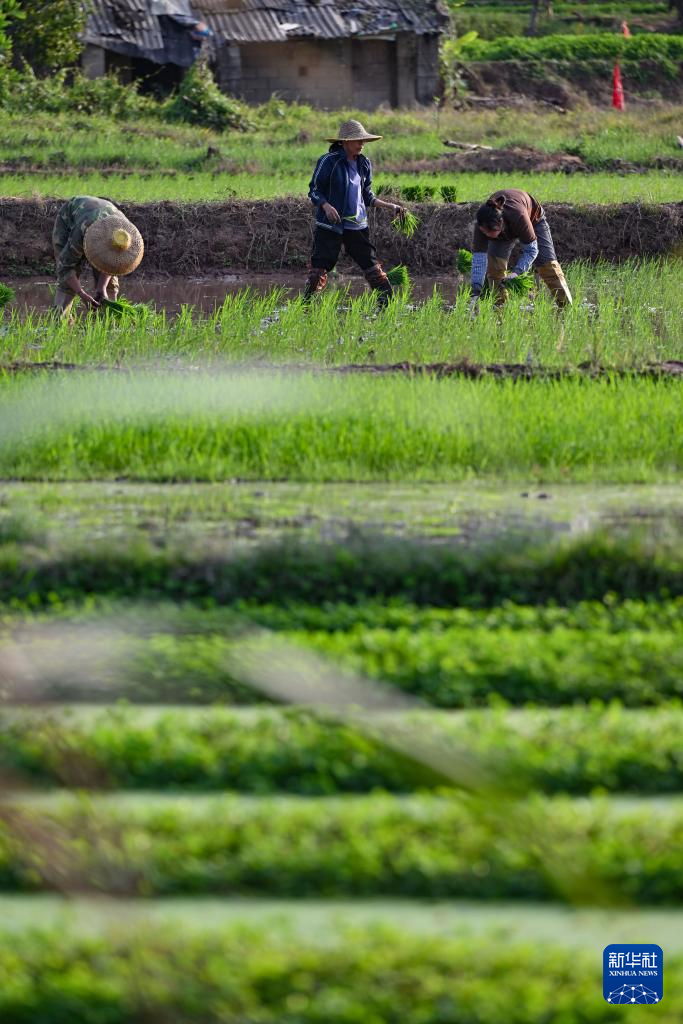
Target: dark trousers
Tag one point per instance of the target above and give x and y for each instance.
(327, 247)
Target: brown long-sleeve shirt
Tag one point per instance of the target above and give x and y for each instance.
(520, 212)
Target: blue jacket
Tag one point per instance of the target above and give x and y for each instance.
(330, 184)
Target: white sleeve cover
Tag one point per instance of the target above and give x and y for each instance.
(479, 260)
(527, 256)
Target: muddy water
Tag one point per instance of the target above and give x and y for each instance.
(33, 293)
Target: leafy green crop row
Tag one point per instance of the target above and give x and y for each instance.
(273, 750)
(364, 567)
(448, 668)
(367, 978)
(423, 846)
(649, 46)
(188, 620)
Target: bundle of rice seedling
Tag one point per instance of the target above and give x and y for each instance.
(122, 309)
(413, 193)
(7, 294)
(464, 261)
(521, 285)
(449, 193)
(407, 223)
(399, 278)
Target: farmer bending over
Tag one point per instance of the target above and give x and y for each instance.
(93, 230)
(341, 191)
(511, 216)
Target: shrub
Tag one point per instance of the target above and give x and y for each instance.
(72, 91)
(199, 101)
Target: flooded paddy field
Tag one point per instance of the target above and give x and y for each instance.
(205, 294)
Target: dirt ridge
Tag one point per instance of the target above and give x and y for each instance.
(671, 368)
(210, 238)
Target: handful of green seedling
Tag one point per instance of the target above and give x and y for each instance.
(407, 223)
(449, 193)
(121, 309)
(399, 277)
(464, 261)
(7, 294)
(520, 285)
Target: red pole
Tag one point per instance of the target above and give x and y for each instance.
(617, 89)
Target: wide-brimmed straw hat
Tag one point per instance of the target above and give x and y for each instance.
(353, 131)
(113, 245)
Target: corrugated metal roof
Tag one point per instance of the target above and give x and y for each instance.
(124, 26)
(129, 27)
(263, 20)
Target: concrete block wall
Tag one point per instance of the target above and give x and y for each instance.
(374, 73)
(317, 73)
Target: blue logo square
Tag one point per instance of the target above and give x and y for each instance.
(633, 973)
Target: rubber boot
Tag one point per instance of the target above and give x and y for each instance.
(316, 281)
(552, 274)
(496, 269)
(380, 283)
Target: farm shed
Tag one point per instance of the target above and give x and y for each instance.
(329, 53)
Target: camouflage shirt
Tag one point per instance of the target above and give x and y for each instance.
(70, 226)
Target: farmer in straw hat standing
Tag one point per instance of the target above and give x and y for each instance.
(93, 230)
(341, 191)
(507, 217)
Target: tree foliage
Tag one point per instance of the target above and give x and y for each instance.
(48, 36)
(9, 11)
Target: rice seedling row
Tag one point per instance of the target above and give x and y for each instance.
(251, 426)
(624, 317)
(469, 186)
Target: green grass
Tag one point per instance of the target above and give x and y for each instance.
(368, 975)
(270, 751)
(289, 138)
(251, 426)
(623, 317)
(491, 20)
(654, 187)
(421, 846)
(646, 46)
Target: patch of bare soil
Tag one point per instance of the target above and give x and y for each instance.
(515, 158)
(671, 368)
(194, 239)
(518, 158)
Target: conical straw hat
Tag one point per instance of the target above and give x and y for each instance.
(113, 245)
(353, 131)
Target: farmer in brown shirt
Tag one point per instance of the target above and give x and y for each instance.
(506, 218)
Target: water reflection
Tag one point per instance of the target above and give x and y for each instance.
(33, 293)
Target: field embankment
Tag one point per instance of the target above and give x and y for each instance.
(194, 238)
